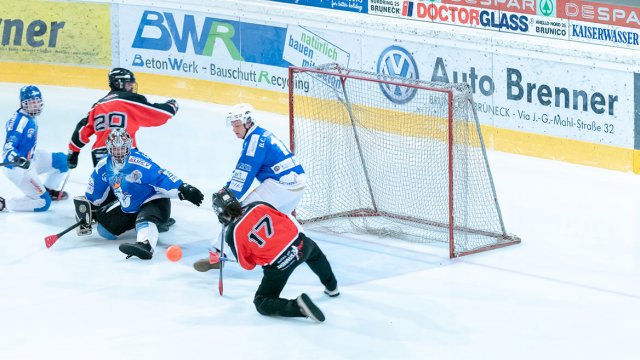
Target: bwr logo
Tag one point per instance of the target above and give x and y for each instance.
(202, 40)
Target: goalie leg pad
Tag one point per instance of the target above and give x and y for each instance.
(84, 213)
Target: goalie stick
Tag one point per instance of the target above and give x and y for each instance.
(51, 239)
(9, 163)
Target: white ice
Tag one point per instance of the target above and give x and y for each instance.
(571, 290)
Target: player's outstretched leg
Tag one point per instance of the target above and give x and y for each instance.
(309, 309)
(143, 250)
(210, 263)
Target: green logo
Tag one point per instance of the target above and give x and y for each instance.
(546, 7)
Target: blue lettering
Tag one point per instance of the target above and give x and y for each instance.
(152, 19)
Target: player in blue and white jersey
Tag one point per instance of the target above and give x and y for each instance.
(23, 162)
(264, 158)
(143, 190)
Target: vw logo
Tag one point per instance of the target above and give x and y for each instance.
(396, 61)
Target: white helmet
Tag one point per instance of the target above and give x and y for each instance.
(240, 112)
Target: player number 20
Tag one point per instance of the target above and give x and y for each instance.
(110, 121)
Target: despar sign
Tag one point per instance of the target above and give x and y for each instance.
(610, 14)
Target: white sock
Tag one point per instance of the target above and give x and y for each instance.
(147, 231)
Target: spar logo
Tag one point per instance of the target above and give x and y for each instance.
(546, 7)
(396, 61)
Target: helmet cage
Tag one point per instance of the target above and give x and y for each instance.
(32, 106)
(226, 206)
(31, 100)
(119, 147)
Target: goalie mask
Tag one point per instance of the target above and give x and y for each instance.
(119, 147)
(31, 100)
(121, 79)
(226, 206)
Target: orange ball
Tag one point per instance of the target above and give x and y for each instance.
(174, 253)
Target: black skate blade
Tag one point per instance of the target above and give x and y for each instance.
(135, 250)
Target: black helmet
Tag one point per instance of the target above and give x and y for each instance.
(118, 77)
(226, 206)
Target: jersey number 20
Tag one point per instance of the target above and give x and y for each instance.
(110, 121)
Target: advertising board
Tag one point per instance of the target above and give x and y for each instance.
(227, 50)
(528, 95)
(55, 32)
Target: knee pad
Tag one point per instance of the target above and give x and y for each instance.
(47, 202)
(105, 233)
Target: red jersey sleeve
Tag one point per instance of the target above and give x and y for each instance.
(119, 110)
(261, 235)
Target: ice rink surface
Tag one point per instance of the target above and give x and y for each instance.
(571, 290)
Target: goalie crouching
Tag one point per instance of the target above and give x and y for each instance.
(143, 190)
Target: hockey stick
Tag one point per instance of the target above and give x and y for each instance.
(220, 285)
(9, 163)
(51, 239)
(61, 192)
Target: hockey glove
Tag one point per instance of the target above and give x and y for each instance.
(174, 104)
(190, 193)
(72, 159)
(22, 162)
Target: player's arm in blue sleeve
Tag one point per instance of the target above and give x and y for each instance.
(13, 144)
(246, 169)
(98, 187)
(163, 180)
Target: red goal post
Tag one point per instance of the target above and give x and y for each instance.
(394, 157)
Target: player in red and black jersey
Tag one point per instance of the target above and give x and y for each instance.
(258, 234)
(122, 107)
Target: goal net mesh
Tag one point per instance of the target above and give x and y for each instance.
(400, 168)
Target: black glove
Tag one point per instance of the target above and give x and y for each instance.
(72, 159)
(190, 193)
(22, 162)
(174, 104)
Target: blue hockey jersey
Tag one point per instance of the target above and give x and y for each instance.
(22, 136)
(139, 181)
(264, 156)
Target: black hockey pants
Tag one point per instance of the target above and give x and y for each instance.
(117, 222)
(267, 298)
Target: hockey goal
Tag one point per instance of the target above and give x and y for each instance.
(413, 167)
